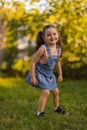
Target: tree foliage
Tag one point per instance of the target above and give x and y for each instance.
(73, 21)
(70, 16)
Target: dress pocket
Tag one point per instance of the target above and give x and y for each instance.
(42, 80)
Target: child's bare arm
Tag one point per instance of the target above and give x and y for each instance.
(35, 59)
(59, 68)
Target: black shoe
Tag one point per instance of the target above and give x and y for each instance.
(41, 114)
(61, 111)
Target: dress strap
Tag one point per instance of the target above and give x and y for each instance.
(47, 48)
(58, 50)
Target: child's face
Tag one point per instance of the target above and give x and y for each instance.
(51, 36)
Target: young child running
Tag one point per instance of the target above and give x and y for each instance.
(49, 50)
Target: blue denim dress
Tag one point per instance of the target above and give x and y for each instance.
(44, 72)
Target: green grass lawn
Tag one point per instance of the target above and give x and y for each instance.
(18, 106)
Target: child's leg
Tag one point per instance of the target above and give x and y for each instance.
(55, 94)
(43, 99)
(57, 108)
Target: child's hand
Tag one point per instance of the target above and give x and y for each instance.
(34, 81)
(60, 78)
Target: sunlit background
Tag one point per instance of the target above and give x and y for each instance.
(20, 21)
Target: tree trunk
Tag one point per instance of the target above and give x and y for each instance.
(2, 40)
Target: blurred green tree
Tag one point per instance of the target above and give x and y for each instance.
(70, 16)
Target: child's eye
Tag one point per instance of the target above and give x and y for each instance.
(54, 34)
(49, 35)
